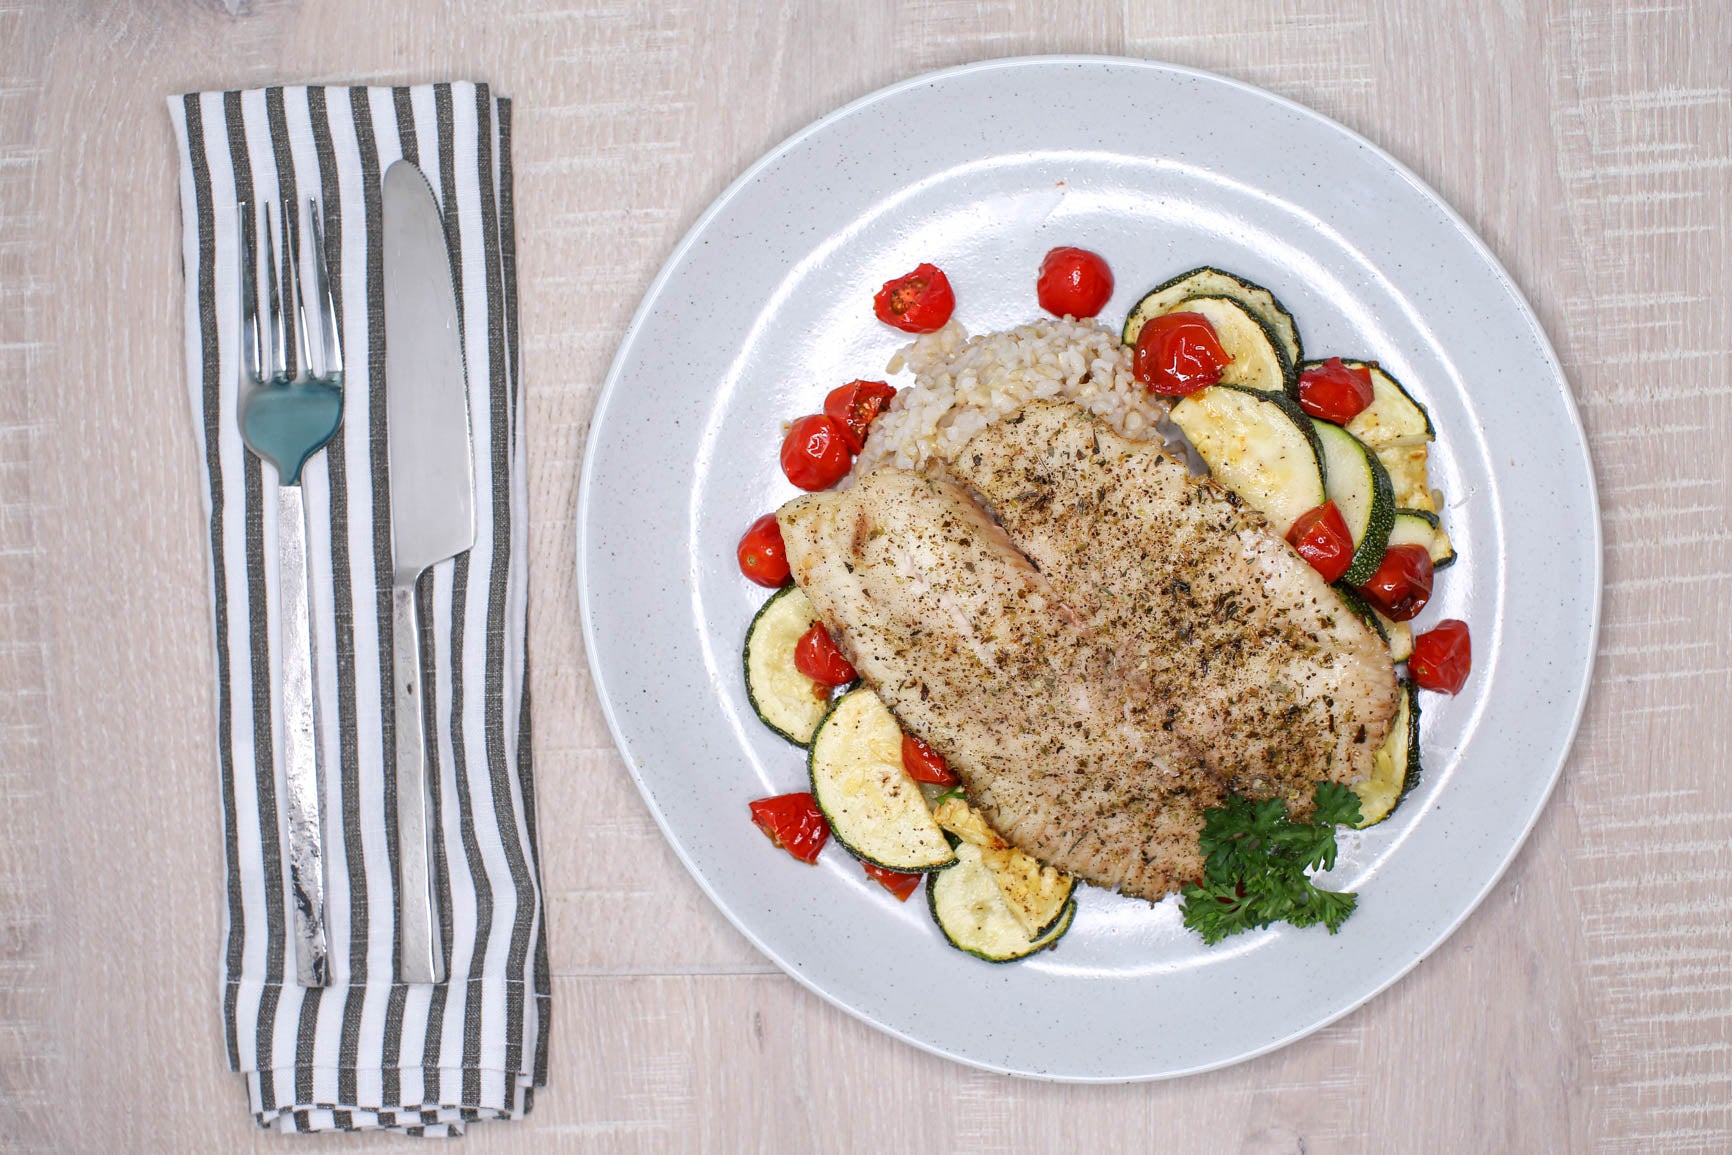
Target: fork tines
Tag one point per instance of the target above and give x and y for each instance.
(268, 352)
(330, 331)
(251, 337)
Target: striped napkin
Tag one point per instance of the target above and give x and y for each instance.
(365, 1051)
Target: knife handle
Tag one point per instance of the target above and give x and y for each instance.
(419, 959)
(302, 792)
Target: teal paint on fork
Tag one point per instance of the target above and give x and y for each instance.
(287, 423)
(285, 418)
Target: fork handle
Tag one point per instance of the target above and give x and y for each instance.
(301, 744)
(419, 958)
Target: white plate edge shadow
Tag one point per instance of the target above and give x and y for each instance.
(1579, 692)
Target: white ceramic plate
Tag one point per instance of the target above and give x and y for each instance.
(766, 305)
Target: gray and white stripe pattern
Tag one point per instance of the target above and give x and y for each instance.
(365, 1051)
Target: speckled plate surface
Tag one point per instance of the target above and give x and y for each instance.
(766, 305)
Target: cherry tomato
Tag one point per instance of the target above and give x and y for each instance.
(916, 302)
(924, 764)
(1178, 353)
(1074, 282)
(816, 656)
(1333, 392)
(855, 406)
(897, 882)
(794, 823)
(815, 453)
(762, 557)
(1442, 657)
(1322, 538)
(1402, 584)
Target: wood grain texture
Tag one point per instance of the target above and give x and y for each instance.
(1587, 1006)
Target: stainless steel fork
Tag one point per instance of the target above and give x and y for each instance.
(289, 410)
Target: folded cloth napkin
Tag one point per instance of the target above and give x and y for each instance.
(366, 1051)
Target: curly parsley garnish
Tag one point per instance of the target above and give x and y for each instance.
(1255, 864)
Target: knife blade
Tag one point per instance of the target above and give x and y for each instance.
(432, 478)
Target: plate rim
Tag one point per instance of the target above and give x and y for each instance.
(693, 236)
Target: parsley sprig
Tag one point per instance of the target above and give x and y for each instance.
(1255, 864)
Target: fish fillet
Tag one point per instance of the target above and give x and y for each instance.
(1128, 646)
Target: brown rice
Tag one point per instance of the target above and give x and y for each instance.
(962, 384)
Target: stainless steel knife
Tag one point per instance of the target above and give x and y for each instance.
(432, 512)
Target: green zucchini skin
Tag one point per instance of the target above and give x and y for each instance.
(1412, 777)
(1206, 280)
(1409, 746)
(1276, 497)
(1061, 919)
(1015, 862)
(1285, 378)
(1434, 539)
(975, 941)
(1300, 418)
(1361, 608)
(756, 692)
(1398, 636)
(853, 827)
(1414, 421)
(1350, 467)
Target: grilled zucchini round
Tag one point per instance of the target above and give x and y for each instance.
(875, 809)
(784, 698)
(1258, 360)
(1395, 765)
(1359, 486)
(1393, 418)
(1259, 445)
(1422, 527)
(967, 906)
(1205, 281)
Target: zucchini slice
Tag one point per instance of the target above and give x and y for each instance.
(969, 908)
(1422, 527)
(1395, 766)
(1360, 488)
(1259, 445)
(1406, 466)
(1258, 360)
(959, 818)
(785, 699)
(1037, 895)
(1393, 417)
(875, 809)
(1396, 428)
(1210, 282)
(1400, 639)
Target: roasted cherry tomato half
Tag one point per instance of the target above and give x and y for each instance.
(897, 882)
(855, 406)
(1178, 353)
(815, 453)
(1335, 392)
(1442, 657)
(1074, 283)
(762, 556)
(916, 302)
(1322, 538)
(816, 656)
(794, 823)
(924, 764)
(1402, 584)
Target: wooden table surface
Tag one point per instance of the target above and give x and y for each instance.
(1586, 1006)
